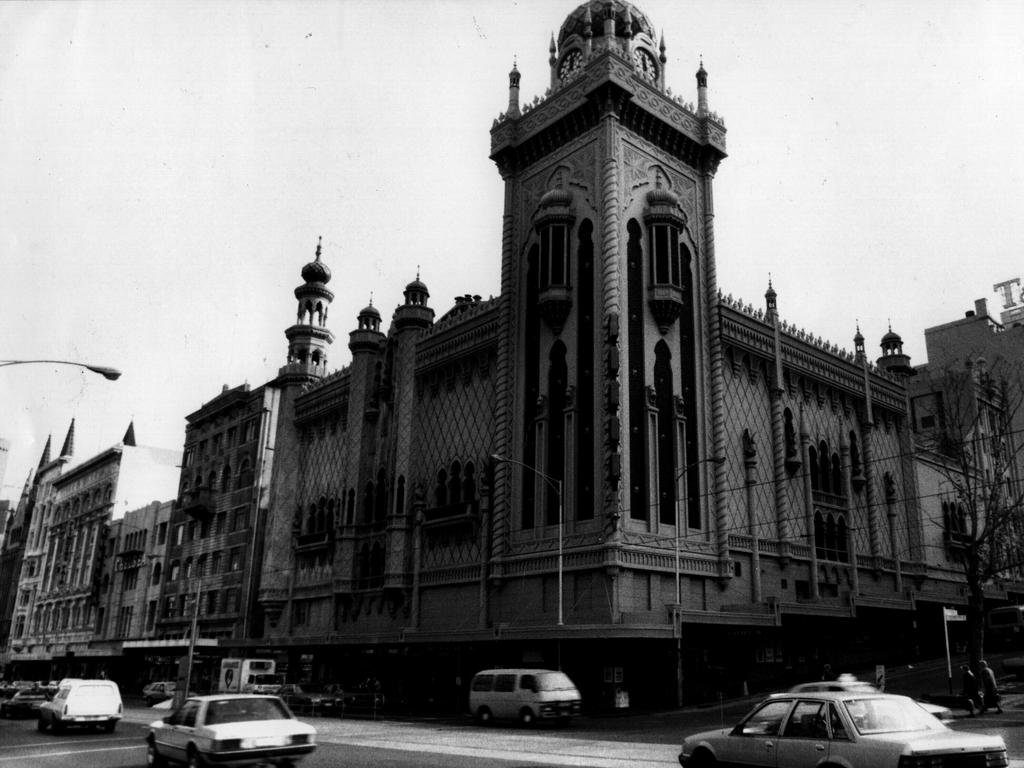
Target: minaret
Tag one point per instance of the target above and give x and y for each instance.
(893, 359)
(309, 338)
(513, 91)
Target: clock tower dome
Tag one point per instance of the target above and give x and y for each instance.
(610, 377)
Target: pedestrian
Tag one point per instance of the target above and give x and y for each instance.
(826, 673)
(990, 688)
(969, 690)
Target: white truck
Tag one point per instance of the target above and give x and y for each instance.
(248, 676)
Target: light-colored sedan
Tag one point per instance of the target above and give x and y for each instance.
(851, 683)
(842, 728)
(230, 729)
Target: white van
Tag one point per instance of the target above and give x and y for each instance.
(524, 695)
(95, 703)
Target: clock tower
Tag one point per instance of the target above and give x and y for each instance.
(609, 380)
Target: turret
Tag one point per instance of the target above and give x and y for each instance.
(309, 338)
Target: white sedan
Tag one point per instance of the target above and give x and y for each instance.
(841, 728)
(232, 730)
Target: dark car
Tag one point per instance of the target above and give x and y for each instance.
(8, 689)
(23, 704)
(306, 698)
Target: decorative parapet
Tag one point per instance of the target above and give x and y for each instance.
(799, 348)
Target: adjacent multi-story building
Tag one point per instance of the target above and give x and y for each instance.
(67, 546)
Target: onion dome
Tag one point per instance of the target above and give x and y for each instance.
(316, 271)
(892, 339)
(661, 196)
(556, 197)
(629, 20)
(369, 311)
(417, 285)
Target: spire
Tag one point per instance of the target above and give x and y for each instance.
(702, 90)
(513, 90)
(129, 436)
(45, 458)
(770, 301)
(69, 442)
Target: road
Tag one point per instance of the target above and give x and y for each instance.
(639, 740)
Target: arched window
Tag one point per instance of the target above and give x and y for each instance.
(824, 475)
(837, 475)
(468, 482)
(311, 519)
(368, 503)
(211, 482)
(455, 484)
(819, 535)
(790, 433)
(157, 571)
(225, 478)
(245, 475)
(812, 464)
(830, 538)
(441, 489)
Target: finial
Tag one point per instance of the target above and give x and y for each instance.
(417, 271)
(319, 243)
(371, 298)
(661, 45)
(551, 47)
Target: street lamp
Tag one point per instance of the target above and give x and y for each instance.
(105, 371)
(717, 461)
(677, 628)
(556, 484)
(192, 638)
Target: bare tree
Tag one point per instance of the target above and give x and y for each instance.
(972, 420)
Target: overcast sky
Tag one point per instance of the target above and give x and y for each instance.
(167, 167)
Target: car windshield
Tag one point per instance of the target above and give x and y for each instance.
(889, 715)
(554, 681)
(244, 710)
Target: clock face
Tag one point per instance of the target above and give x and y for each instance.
(570, 64)
(645, 66)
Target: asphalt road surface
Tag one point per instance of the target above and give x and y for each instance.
(641, 740)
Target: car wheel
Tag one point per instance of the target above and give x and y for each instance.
(153, 758)
(483, 716)
(149, 701)
(110, 726)
(57, 726)
(526, 716)
(194, 759)
(41, 724)
(702, 759)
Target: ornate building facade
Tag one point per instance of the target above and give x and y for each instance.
(610, 467)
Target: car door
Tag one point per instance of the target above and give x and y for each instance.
(181, 726)
(753, 741)
(804, 739)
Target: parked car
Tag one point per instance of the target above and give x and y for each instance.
(10, 688)
(230, 729)
(875, 730)
(524, 695)
(158, 691)
(22, 704)
(304, 698)
(89, 703)
(846, 682)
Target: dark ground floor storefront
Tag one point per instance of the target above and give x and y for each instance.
(614, 670)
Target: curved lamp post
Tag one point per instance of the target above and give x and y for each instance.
(556, 484)
(105, 371)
